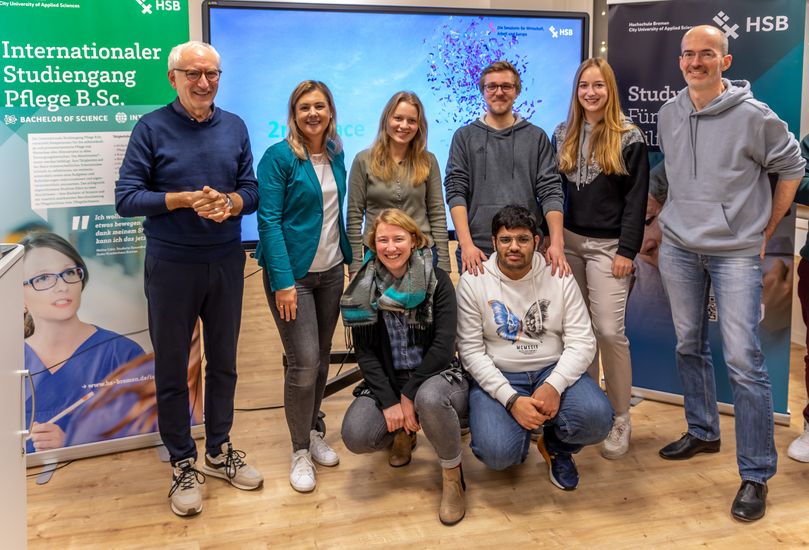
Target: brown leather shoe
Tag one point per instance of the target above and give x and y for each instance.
(453, 502)
(401, 451)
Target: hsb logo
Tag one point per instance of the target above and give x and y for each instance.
(768, 23)
(167, 5)
(161, 5)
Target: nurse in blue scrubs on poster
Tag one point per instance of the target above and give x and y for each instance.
(67, 358)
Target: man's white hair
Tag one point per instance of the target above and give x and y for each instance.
(178, 51)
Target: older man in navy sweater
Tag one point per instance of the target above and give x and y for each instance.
(189, 170)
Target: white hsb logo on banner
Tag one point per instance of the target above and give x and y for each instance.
(721, 20)
(160, 5)
(766, 23)
(167, 5)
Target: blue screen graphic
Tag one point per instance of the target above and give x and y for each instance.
(366, 57)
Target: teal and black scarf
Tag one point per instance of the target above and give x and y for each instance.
(374, 288)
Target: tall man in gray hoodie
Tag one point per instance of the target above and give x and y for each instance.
(720, 144)
(497, 160)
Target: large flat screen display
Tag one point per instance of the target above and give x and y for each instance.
(366, 53)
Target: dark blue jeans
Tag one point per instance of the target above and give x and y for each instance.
(584, 418)
(177, 294)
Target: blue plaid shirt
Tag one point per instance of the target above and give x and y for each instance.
(405, 356)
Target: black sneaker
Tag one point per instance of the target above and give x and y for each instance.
(561, 467)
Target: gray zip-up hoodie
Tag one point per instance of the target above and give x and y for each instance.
(716, 163)
(489, 168)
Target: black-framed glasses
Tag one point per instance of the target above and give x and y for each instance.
(491, 87)
(44, 281)
(193, 75)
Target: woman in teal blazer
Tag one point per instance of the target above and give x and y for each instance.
(302, 248)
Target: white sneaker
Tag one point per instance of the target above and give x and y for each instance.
(302, 471)
(185, 496)
(799, 449)
(320, 450)
(617, 443)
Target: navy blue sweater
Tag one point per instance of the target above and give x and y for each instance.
(169, 152)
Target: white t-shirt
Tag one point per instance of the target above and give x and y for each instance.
(328, 252)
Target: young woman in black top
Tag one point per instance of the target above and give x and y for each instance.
(605, 170)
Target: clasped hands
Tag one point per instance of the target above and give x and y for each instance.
(402, 415)
(532, 411)
(211, 204)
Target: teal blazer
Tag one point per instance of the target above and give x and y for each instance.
(290, 214)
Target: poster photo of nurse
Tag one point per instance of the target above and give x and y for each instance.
(68, 359)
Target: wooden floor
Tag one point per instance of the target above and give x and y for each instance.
(640, 501)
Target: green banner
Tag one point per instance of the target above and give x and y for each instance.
(75, 77)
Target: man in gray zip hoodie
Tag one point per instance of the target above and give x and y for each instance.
(720, 144)
(497, 160)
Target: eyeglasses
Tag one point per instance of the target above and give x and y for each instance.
(44, 281)
(706, 55)
(492, 87)
(193, 75)
(522, 240)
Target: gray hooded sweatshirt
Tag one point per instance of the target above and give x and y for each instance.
(489, 168)
(717, 161)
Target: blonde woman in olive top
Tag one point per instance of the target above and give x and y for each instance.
(398, 172)
(302, 248)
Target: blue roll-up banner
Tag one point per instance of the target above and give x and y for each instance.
(766, 42)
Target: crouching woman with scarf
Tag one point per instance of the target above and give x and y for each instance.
(402, 313)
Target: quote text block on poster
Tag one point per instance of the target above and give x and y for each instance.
(74, 169)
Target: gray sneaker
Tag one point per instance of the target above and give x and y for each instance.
(229, 465)
(185, 494)
(617, 443)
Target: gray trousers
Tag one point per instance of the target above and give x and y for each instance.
(439, 404)
(307, 343)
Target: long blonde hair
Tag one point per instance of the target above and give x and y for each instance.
(605, 141)
(295, 138)
(415, 166)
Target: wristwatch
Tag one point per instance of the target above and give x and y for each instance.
(228, 201)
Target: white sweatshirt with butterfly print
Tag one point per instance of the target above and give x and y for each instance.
(523, 325)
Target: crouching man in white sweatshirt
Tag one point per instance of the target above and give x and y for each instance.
(525, 337)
